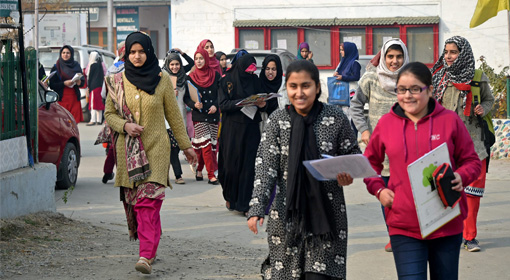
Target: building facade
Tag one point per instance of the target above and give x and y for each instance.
(423, 25)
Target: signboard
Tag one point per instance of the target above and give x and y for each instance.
(8, 6)
(127, 22)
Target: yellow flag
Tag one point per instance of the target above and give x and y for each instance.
(485, 9)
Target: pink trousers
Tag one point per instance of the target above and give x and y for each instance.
(149, 225)
(473, 203)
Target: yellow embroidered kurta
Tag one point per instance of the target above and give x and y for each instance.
(150, 112)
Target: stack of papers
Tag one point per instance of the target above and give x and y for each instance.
(356, 165)
(251, 100)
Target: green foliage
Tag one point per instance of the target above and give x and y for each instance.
(67, 194)
(497, 82)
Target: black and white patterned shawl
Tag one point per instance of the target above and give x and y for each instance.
(461, 71)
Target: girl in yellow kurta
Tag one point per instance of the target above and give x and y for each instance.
(138, 102)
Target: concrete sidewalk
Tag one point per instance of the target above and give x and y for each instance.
(196, 211)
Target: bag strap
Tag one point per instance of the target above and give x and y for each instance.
(475, 86)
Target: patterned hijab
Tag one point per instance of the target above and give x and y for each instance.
(181, 76)
(147, 76)
(387, 78)
(460, 73)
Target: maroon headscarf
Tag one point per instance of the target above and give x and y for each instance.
(213, 62)
(203, 77)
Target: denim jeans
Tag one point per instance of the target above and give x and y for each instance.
(411, 256)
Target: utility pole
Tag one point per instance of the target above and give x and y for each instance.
(109, 10)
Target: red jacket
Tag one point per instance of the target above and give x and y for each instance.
(404, 142)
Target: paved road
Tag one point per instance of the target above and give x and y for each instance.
(196, 211)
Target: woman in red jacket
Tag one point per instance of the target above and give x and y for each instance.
(425, 125)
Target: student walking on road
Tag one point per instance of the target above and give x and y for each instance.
(307, 223)
(453, 73)
(139, 100)
(424, 125)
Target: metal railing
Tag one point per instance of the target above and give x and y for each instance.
(11, 94)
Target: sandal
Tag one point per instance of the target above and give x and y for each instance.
(151, 261)
(143, 265)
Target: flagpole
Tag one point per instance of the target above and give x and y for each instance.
(508, 77)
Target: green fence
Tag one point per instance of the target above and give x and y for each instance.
(11, 94)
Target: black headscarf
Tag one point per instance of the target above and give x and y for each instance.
(181, 75)
(274, 85)
(244, 83)
(147, 76)
(66, 69)
(308, 208)
(218, 57)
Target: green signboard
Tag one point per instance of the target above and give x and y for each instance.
(7, 6)
(127, 22)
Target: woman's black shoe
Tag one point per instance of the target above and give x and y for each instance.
(199, 178)
(214, 182)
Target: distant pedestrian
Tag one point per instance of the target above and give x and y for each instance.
(205, 115)
(95, 83)
(348, 70)
(68, 91)
(271, 76)
(304, 52)
(139, 101)
(377, 88)
(240, 134)
(222, 58)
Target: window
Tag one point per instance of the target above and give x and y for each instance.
(251, 39)
(381, 35)
(356, 36)
(320, 45)
(285, 39)
(94, 38)
(325, 36)
(420, 44)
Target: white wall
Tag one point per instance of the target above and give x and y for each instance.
(194, 20)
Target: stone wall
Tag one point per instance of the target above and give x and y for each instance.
(501, 149)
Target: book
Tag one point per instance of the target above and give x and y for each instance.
(251, 100)
(45, 79)
(430, 210)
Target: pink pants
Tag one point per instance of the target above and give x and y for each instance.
(149, 225)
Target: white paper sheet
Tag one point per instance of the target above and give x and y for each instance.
(326, 169)
(430, 210)
(251, 44)
(249, 111)
(76, 77)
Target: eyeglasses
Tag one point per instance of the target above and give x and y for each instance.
(412, 90)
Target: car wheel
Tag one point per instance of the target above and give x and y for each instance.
(68, 167)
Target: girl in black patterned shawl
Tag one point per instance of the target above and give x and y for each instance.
(307, 224)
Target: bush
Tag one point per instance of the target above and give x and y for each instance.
(497, 82)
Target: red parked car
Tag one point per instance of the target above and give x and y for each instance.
(59, 138)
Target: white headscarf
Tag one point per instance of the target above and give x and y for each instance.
(387, 78)
(93, 58)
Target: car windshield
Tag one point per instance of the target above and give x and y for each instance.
(49, 57)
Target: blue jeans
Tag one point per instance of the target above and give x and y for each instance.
(411, 256)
